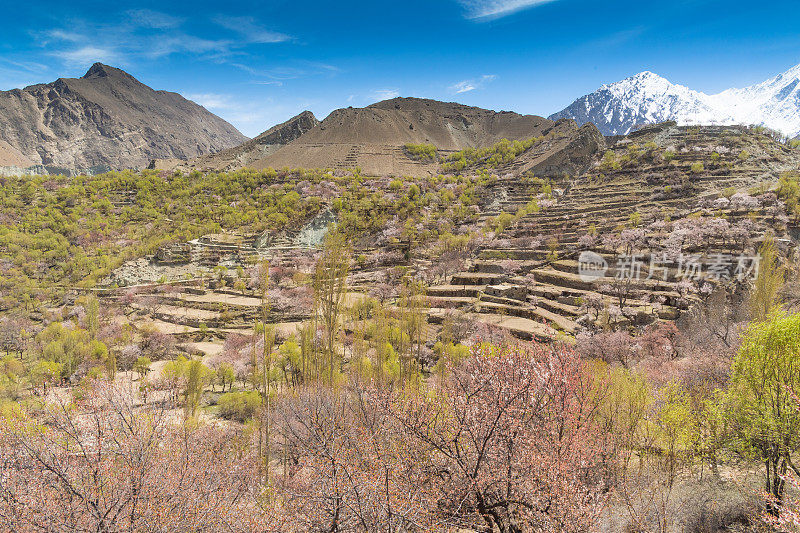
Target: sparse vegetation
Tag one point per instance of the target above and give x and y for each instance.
(495, 156)
(421, 152)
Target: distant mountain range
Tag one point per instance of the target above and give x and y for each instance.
(108, 120)
(648, 98)
(105, 120)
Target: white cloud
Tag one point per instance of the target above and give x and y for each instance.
(252, 117)
(493, 9)
(299, 69)
(62, 35)
(213, 100)
(87, 55)
(150, 34)
(385, 94)
(248, 28)
(463, 87)
(182, 42)
(153, 19)
(29, 66)
(470, 85)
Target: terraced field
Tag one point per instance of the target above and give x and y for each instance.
(663, 190)
(531, 271)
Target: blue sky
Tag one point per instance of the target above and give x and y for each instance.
(259, 63)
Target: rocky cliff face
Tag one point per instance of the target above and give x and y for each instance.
(107, 120)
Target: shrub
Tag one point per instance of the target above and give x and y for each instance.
(239, 406)
(494, 156)
(501, 222)
(421, 152)
(609, 161)
(697, 168)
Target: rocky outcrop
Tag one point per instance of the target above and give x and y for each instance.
(576, 157)
(248, 152)
(107, 120)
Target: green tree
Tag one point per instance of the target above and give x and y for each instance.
(198, 376)
(226, 375)
(765, 418)
(765, 296)
(330, 285)
(142, 366)
(45, 372)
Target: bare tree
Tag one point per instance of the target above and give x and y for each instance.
(108, 464)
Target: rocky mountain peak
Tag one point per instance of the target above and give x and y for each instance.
(107, 119)
(99, 70)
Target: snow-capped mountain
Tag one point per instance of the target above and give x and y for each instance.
(648, 98)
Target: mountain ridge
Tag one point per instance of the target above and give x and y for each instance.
(646, 98)
(373, 137)
(107, 119)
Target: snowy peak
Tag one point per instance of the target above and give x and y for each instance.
(646, 98)
(643, 80)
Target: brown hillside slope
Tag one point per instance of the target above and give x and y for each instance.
(11, 157)
(568, 154)
(108, 119)
(373, 137)
(247, 153)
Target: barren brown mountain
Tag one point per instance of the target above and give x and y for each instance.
(374, 139)
(247, 153)
(107, 120)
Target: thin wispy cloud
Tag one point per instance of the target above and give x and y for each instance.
(466, 86)
(19, 73)
(250, 117)
(153, 19)
(277, 75)
(180, 43)
(385, 94)
(481, 10)
(62, 35)
(149, 34)
(29, 66)
(213, 101)
(87, 55)
(619, 38)
(251, 30)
